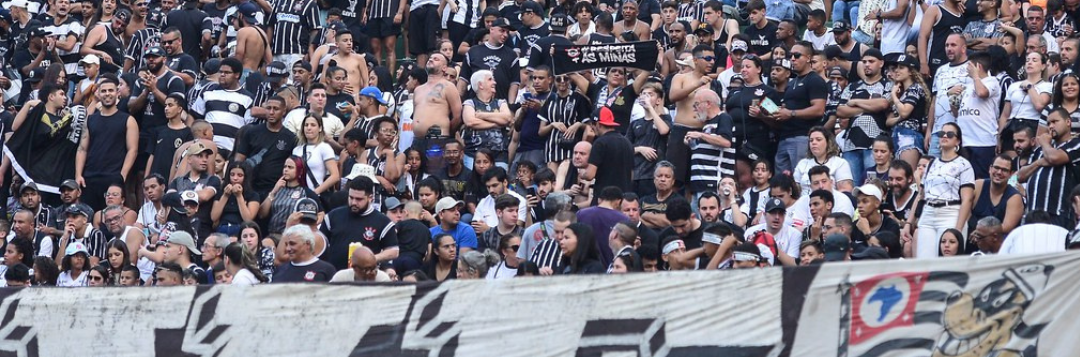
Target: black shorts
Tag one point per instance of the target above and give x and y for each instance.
(382, 28)
(424, 26)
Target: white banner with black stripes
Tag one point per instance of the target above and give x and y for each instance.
(987, 306)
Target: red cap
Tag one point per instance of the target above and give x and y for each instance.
(607, 118)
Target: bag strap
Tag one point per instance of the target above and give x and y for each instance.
(311, 176)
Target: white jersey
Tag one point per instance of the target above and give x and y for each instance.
(946, 77)
(979, 116)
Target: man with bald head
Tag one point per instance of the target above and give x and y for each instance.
(711, 154)
(568, 177)
(362, 267)
(437, 103)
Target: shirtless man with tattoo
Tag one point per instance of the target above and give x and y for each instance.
(438, 102)
(352, 62)
(683, 86)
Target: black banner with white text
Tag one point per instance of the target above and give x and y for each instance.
(642, 55)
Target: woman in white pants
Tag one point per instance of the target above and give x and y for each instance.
(947, 192)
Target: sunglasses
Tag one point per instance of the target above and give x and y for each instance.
(707, 58)
(560, 79)
(947, 134)
(96, 278)
(515, 247)
(796, 55)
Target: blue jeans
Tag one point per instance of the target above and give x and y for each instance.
(860, 160)
(935, 146)
(846, 10)
(907, 139)
(862, 37)
(789, 151)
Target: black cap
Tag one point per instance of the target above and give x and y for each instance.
(703, 27)
(533, 7)
(774, 204)
(277, 70)
(155, 18)
(783, 63)
(212, 66)
(833, 51)
(302, 64)
(39, 32)
(155, 52)
(904, 60)
(80, 209)
(173, 200)
(502, 22)
(308, 208)
(28, 186)
(870, 253)
(69, 184)
(841, 26)
(35, 75)
(558, 22)
(873, 52)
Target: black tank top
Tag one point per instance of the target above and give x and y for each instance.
(107, 144)
(984, 207)
(111, 46)
(946, 24)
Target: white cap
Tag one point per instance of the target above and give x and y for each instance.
(362, 170)
(446, 203)
(91, 59)
(26, 4)
(870, 190)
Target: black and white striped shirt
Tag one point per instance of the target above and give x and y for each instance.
(568, 110)
(547, 253)
(70, 27)
(1049, 187)
(226, 110)
(293, 21)
(141, 42)
(708, 162)
(381, 9)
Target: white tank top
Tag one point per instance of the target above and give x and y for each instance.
(146, 267)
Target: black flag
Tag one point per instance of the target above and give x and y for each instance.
(575, 58)
(43, 149)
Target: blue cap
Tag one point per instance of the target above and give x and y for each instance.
(248, 10)
(374, 93)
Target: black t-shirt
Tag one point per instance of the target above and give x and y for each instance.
(413, 238)
(620, 101)
(653, 204)
(342, 227)
(319, 271)
(887, 225)
(644, 133)
(800, 92)
(335, 102)
(761, 40)
(529, 36)
(614, 160)
(183, 63)
(231, 213)
(153, 116)
(192, 22)
(738, 106)
(501, 61)
(454, 186)
(541, 52)
(163, 144)
(217, 19)
(269, 150)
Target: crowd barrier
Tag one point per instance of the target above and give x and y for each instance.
(972, 306)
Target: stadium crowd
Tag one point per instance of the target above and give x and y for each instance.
(172, 142)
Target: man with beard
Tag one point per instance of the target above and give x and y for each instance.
(568, 176)
(850, 51)
(711, 155)
(252, 44)
(1024, 146)
(167, 139)
(359, 222)
(949, 81)
(871, 220)
(226, 105)
(785, 33)
(938, 22)
(1049, 177)
(864, 104)
(23, 226)
(676, 34)
(787, 238)
(266, 147)
(317, 102)
(77, 229)
(155, 84)
(630, 22)
(178, 62)
(1036, 27)
(994, 197)
(113, 217)
(900, 200)
(437, 104)
(110, 141)
(140, 12)
(803, 107)
(30, 200)
(683, 86)
(456, 174)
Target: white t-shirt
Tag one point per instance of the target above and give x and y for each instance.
(978, 117)
(1034, 239)
(332, 125)
(839, 170)
(65, 280)
(501, 271)
(841, 204)
(946, 77)
(485, 209)
(349, 275)
(1022, 107)
(943, 179)
(894, 32)
(316, 158)
(245, 277)
(405, 125)
(787, 240)
(820, 42)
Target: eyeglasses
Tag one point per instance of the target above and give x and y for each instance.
(515, 247)
(947, 134)
(999, 168)
(142, 4)
(113, 220)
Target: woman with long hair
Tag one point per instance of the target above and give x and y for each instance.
(415, 170)
(237, 202)
(475, 188)
(1025, 100)
(950, 244)
(281, 201)
(948, 189)
(823, 151)
(909, 97)
(75, 266)
(118, 258)
(241, 265)
(442, 259)
(251, 239)
(385, 158)
(508, 266)
(579, 252)
(99, 276)
(888, 241)
(319, 157)
(18, 251)
(882, 150)
(1067, 96)
(379, 77)
(45, 271)
(809, 251)
(750, 136)
(476, 265)
(582, 12)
